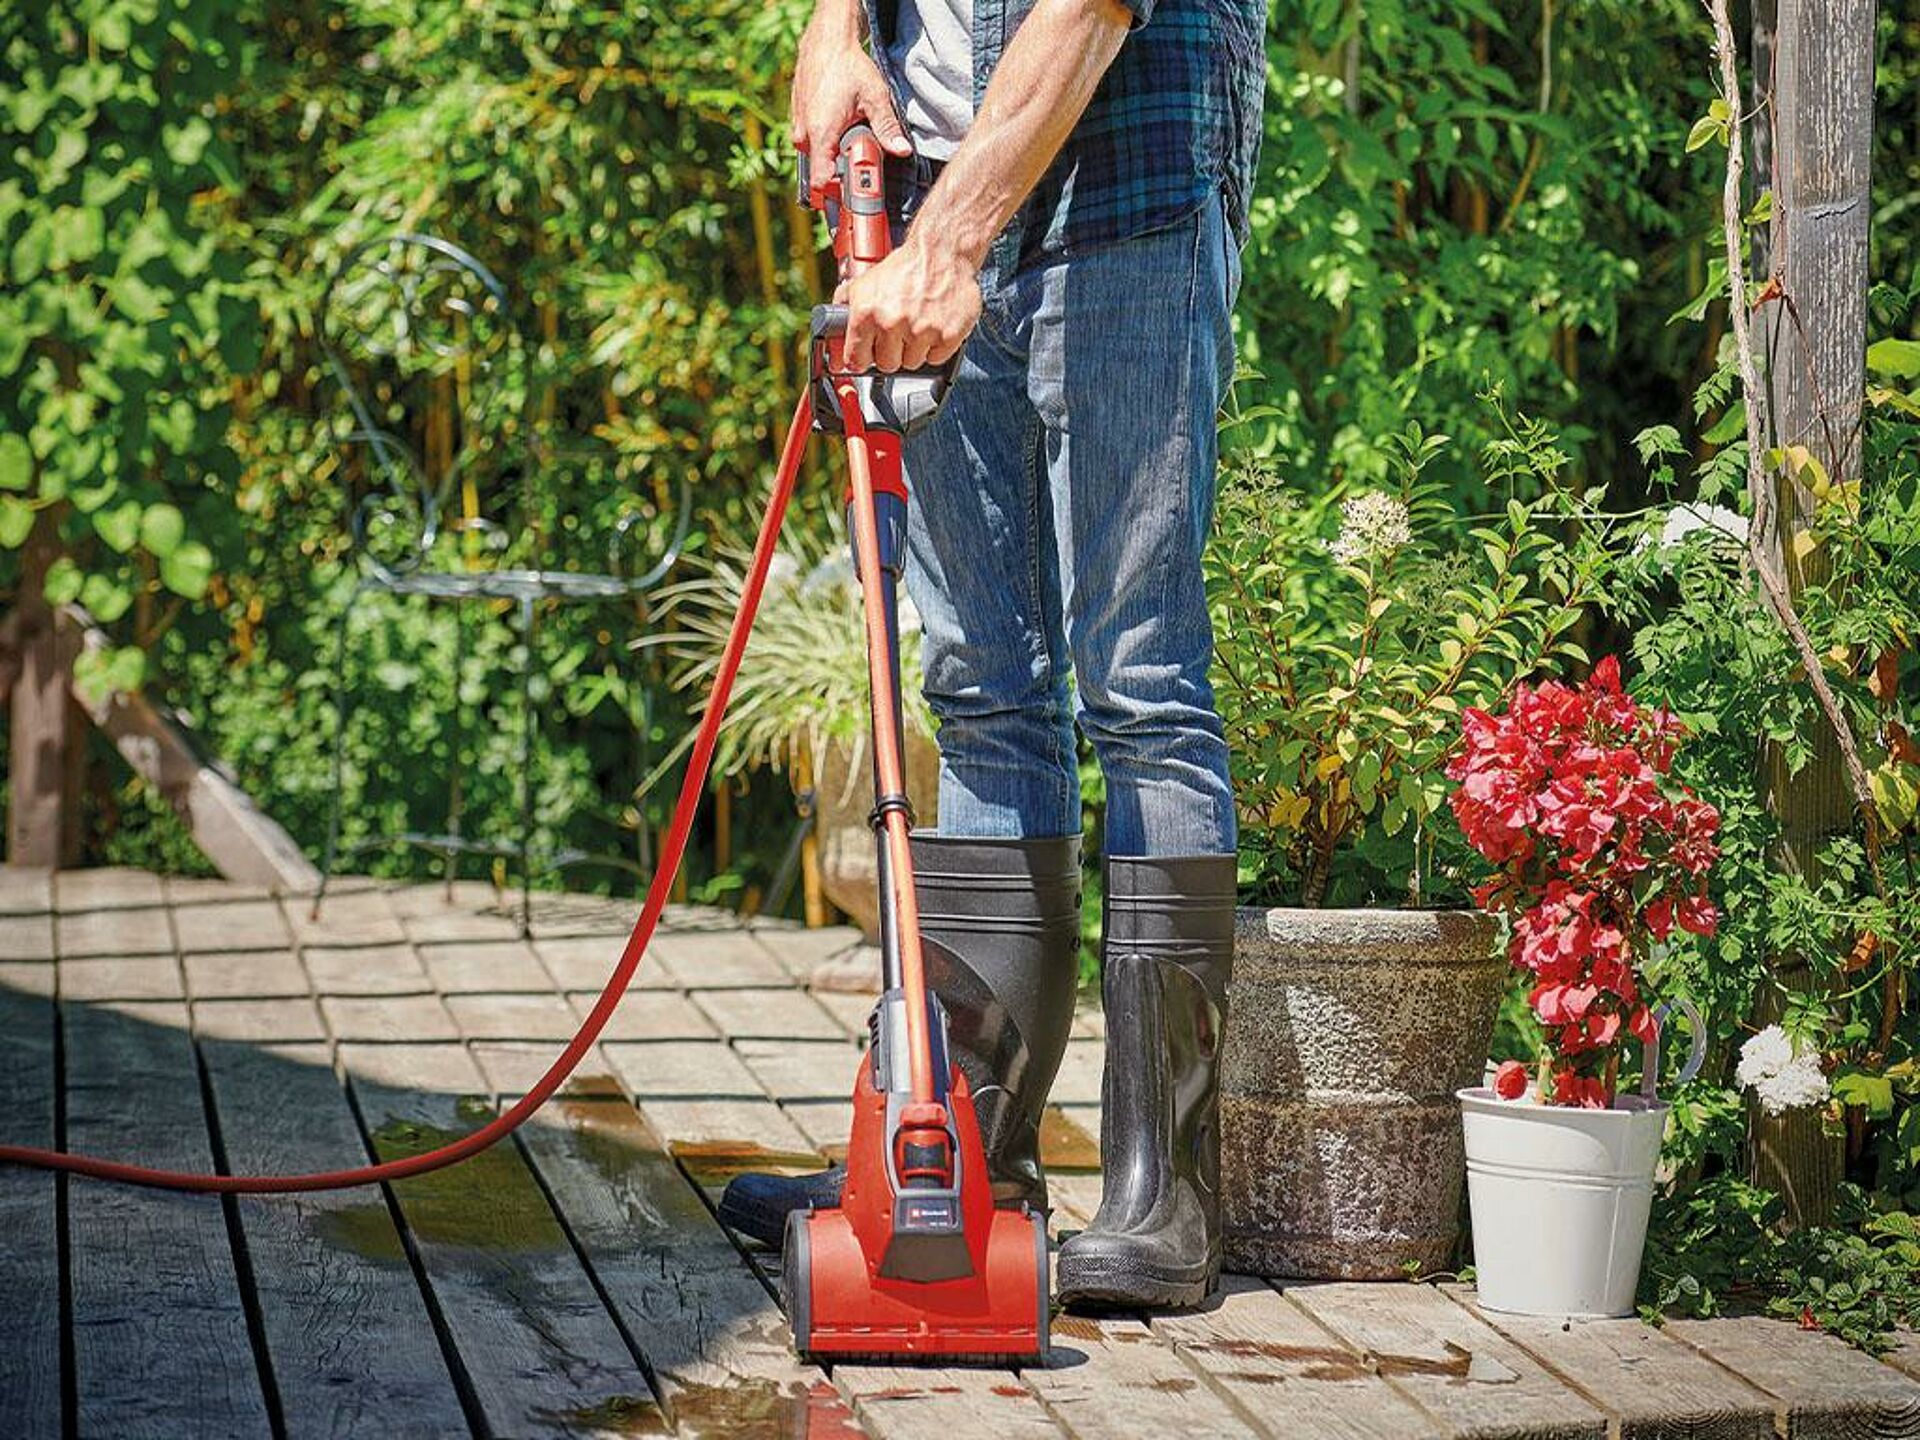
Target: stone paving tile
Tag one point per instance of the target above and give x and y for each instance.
(825, 1123)
(445, 1069)
(802, 1069)
(427, 915)
(431, 898)
(683, 1069)
(264, 1020)
(358, 917)
(556, 914)
(722, 1124)
(147, 977)
(237, 974)
(106, 889)
(242, 925)
(583, 962)
(24, 889)
(512, 1067)
(388, 1018)
(1089, 1020)
(773, 1014)
(201, 890)
(798, 950)
(714, 959)
(114, 932)
(494, 967)
(849, 1011)
(513, 1017)
(1078, 1082)
(650, 1015)
(26, 936)
(366, 970)
(27, 977)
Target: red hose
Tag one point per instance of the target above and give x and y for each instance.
(510, 1119)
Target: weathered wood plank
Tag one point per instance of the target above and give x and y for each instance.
(1130, 1386)
(1294, 1375)
(160, 1339)
(1450, 1363)
(716, 1343)
(1652, 1386)
(911, 1403)
(347, 1329)
(30, 1220)
(1823, 1388)
(540, 1351)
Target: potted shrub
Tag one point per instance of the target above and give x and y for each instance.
(800, 702)
(1599, 855)
(1351, 629)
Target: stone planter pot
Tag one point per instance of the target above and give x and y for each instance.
(1349, 1033)
(848, 873)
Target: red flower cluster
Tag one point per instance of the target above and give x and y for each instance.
(1567, 791)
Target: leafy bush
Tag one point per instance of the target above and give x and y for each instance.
(1344, 661)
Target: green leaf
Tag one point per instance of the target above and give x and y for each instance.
(64, 580)
(188, 569)
(16, 463)
(1898, 359)
(162, 528)
(118, 525)
(186, 143)
(1872, 1093)
(1730, 426)
(106, 600)
(16, 522)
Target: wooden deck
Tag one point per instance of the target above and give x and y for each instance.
(575, 1282)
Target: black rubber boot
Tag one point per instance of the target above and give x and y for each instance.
(1167, 950)
(1000, 930)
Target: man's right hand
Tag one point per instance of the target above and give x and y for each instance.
(836, 85)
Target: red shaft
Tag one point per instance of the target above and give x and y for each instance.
(886, 743)
(510, 1119)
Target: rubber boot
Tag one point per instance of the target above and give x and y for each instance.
(1167, 951)
(1000, 932)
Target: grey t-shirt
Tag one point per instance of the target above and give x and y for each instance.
(933, 51)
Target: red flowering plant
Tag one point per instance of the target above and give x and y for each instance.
(1598, 852)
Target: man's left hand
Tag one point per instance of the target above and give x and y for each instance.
(914, 308)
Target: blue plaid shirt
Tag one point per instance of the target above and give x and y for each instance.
(1176, 117)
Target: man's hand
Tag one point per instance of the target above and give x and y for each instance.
(836, 85)
(914, 308)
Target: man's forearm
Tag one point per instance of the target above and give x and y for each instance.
(1038, 92)
(835, 23)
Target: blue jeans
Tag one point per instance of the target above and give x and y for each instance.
(1061, 501)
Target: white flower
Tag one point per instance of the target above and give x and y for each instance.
(1780, 1079)
(1765, 1054)
(1372, 526)
(1801, 1083)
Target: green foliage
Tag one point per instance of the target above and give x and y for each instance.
(1345, 660)
(122, 322)
(1718, 1247)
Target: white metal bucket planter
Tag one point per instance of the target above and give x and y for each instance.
(1560, 1196)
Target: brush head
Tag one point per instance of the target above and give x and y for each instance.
(842, 1308)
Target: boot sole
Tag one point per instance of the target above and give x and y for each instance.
(1104, 1282)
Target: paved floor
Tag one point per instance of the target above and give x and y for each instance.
(575, 1281)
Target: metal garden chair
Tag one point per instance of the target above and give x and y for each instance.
(439, 444)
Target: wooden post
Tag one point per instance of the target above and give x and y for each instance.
(1820, 89)
(48, 735)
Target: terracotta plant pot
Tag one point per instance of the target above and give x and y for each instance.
(1349, 1033)
(845, 799)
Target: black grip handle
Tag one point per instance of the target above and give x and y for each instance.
(828, 320)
